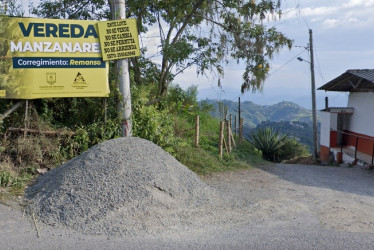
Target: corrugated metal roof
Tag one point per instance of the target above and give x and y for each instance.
(353, 80)
(345, 110)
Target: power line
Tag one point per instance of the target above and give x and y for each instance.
(319, 68)
(283, 65)
(301, 14)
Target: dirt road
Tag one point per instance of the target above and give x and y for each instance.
(338, 198)
(272, 207)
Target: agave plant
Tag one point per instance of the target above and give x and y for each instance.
(269, 141)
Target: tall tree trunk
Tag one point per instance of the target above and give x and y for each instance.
(137, 73)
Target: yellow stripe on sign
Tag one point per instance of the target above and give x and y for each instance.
(2, 93)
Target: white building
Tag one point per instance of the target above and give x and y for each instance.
(351, 128)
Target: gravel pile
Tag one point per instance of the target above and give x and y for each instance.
(121, 186)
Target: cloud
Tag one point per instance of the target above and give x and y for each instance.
(349, 15)
(333, 23)
(359, 3)
(320, 11)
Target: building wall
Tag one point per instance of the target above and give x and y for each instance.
(334, 121)
(325, 128)
(362, 120)
(365, 144)
(325, 119)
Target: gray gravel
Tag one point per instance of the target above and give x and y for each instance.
(270, 207)
(121, 186)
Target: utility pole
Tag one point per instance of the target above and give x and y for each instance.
(314, 111)
(123, 79)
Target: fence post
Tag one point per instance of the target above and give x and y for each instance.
(235, 125)
(197, 131)
(11, 110)
(220, 145)
(228, 134)
(105, 110)
(232, 138)
(240, 130)
(26, 117)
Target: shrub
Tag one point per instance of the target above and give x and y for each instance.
(269, 141)
(154, 125)
(292, 149)
(275, 146)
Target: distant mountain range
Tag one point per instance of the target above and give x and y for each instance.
(287, 117)
(254, 114)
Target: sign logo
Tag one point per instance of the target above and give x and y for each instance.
(51, 78)
(79, 79)
(79, 82)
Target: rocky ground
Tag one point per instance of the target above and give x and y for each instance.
(288, 206)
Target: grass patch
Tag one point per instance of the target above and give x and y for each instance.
(12, 185)
(205, 160)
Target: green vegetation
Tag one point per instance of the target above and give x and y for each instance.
(300, 131)
(236, 30)
(268, 141)
(204, 159)
(287, 117)
(170, 124)
(200, 33)
(275, 146)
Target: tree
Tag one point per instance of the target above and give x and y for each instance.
(203, 33)
(11, 8)
(208, 33)
(73, 9)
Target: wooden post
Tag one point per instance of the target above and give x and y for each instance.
(11, 110)
(26, 117)
(197, 131)
(239, 121)
(233, 139)
(235, 125)
(34, 131)
(220, 145)
(105, 110)
(240, 130)
(225, 144)
(228, 134)
(239, 114)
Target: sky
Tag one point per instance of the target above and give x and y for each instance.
(342, 38)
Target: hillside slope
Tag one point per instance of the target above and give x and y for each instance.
(254, 114)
